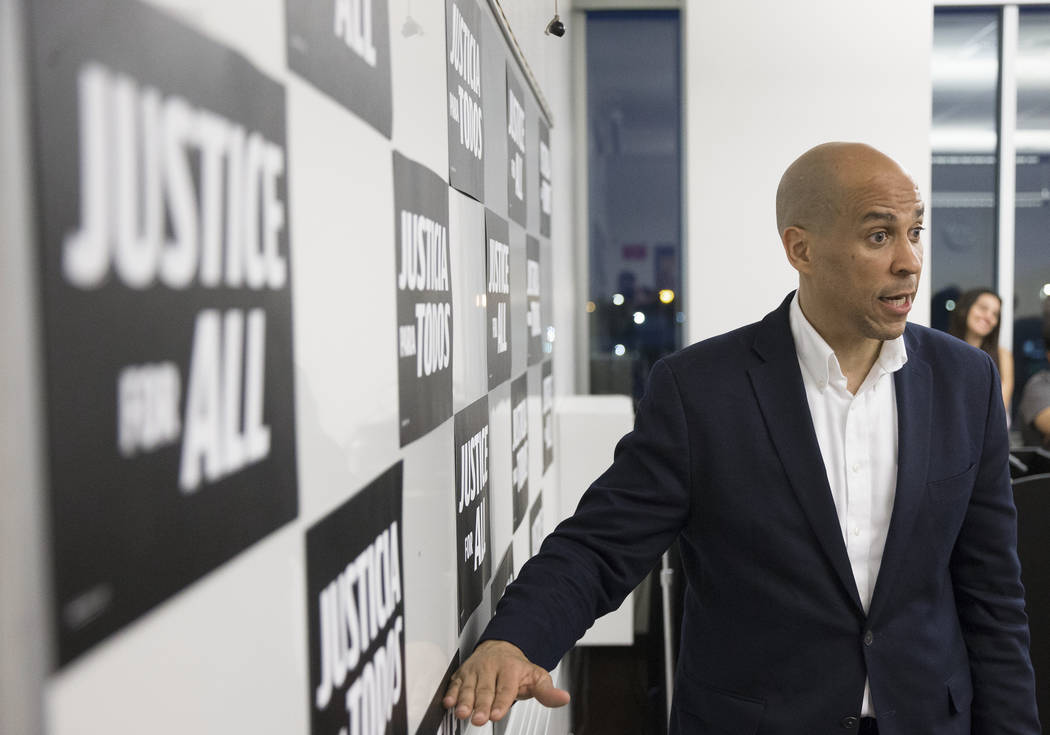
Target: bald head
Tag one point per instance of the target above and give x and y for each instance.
(811, 190)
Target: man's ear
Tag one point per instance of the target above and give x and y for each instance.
(797, 246)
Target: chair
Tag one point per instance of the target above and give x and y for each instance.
(1017, 468)
(1032, 497)
(1036, 459)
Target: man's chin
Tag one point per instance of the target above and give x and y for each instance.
(885, 332)
(895, 331)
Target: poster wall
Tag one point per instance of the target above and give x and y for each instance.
(546, 194)
(536, 533)
(533, 313)
(519, 432)
(466, 129)
(547, 403)
(167, 306)
(497, 294)
(473, 564)
(424, 298)
(195, 407)
(343, 49)
(502, 577)
(355, 613)
(517, 208)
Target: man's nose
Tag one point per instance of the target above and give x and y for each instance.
(907, 256)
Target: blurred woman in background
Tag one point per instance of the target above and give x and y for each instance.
(976, 320)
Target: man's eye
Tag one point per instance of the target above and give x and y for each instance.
(916, 232)
(879, 237)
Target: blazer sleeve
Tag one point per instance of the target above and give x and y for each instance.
(625, 520)
(986, 576)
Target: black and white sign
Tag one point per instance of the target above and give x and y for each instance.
(471, 438)
(424, 298)
(356, 611)
(519, 443)
(536, 534)
(497, 273)
(466, 129)
(437, 720)
(502, 577)
(533, 315)
(545, 178)
(167, 305)
(342, 47)
(547, 387)
(516, 203)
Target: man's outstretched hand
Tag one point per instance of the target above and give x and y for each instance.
(494, 676)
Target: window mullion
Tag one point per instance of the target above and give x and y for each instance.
(1007, 171)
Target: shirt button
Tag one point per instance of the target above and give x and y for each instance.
(869, 638)
(856, 467)
(855, 531)
(850, 722)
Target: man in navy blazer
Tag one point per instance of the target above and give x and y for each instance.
(823, 596)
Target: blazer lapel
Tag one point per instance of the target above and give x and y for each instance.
(913, 384)
(778, 386)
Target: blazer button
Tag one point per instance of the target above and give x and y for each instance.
(850, 722)
(869, 638)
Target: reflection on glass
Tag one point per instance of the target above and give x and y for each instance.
(634, 163)
(963, 138)
(1032, 222)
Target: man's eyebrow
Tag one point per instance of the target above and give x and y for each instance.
(879, 217)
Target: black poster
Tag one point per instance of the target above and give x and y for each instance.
(437, 720)
(466, 131)
(545, 178)
(516, 208)
(519, 446)
(471, 438)
(533, 315)
(548, 415)
(502, 577)
(342, 47)
(356, 608)
(424, 298)
(497, 269)
(166, 279)
(536, 525)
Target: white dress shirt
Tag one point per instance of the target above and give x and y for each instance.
(857, 435)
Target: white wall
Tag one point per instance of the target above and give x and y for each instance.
(764, 81)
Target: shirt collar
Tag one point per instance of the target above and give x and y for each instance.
(818, 359)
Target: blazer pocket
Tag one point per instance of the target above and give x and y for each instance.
(960, 692)
(719, 712)
(952, 487)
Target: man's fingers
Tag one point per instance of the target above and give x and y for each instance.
(451, 694)
(547, 694)
(497, 673)
(483, 694)
(460, 695)
(506, 693)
